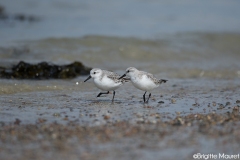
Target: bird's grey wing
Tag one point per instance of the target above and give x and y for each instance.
(159, 81)
(113, 76)
(149, 75)
(116, 77)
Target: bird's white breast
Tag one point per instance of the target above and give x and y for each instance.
(143, 83)
(106, 84)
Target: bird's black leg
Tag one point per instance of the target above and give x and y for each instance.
(148, 97)
(102, 93)
(144, 97)
(113, 96)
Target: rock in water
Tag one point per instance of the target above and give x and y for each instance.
(44, 70)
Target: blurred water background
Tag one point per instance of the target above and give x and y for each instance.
(173, 38)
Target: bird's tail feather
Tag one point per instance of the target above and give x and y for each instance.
(162, 81)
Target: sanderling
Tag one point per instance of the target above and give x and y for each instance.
(143, 80)
(106, 80)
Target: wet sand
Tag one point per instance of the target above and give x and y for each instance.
(65, 120)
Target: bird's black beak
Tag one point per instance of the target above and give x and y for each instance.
(122, 76)
(88, 78)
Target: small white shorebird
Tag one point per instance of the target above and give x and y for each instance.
(143, 80)
(106, 81)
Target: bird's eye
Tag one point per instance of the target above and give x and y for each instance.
(94, 72)
(128, 71)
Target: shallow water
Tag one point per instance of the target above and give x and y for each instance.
(145, 19)
(173, 40)
(192, 55)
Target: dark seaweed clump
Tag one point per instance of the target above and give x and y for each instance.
(44, 70)
(17, 17)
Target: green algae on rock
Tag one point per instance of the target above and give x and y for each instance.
(44, 70)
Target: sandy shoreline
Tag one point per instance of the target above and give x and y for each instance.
(183, 118)
(179, 138)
